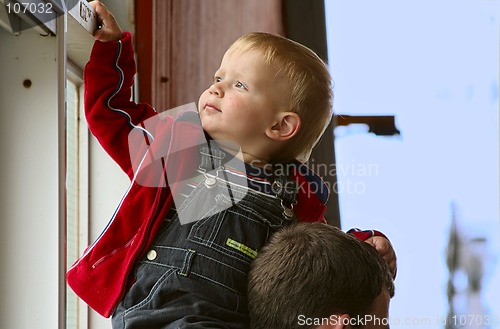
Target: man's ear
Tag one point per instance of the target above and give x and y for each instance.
(337, 322)
(287, 126)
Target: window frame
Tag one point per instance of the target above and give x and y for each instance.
(75, 76)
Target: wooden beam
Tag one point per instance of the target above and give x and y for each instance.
(144, 47)
(381, 125)
(305, 23)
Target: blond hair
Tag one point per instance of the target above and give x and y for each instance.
(309, 87)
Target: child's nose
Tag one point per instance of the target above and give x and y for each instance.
(216, 89)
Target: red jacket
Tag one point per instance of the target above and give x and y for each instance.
(103, 274)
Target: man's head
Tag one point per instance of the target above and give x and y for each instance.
(313, 275)
(294, 84)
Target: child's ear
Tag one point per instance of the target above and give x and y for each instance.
(287, 126)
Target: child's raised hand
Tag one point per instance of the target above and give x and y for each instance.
(385, 249)
(108, 29)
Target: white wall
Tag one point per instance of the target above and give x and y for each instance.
(29, 182)
(29, 177)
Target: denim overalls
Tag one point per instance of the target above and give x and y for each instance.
(195, 274)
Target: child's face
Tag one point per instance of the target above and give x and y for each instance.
(242, 102)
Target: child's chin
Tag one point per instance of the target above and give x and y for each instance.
(207, 130)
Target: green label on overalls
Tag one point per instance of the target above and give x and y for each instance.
(241, 247)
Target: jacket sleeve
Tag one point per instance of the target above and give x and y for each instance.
(111, 115)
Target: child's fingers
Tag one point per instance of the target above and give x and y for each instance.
(385, 249)
(107, 29)
(98, 34)
(98, 6)
(101, 12)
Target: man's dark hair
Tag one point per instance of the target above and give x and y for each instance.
(314, 270)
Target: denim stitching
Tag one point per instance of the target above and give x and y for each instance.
(186, 266)
(149, 297)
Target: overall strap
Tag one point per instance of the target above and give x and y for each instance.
(211, 160)
(285, 189)
(211, 157)
(282, 185)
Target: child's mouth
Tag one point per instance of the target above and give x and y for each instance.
(211, 108)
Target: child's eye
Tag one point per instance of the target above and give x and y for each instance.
(217, 79)
(240, 85)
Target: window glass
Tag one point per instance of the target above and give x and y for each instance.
(76, 193)
(435, 66)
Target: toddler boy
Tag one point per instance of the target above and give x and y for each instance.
(178, 249)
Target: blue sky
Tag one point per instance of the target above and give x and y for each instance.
(435, 66)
